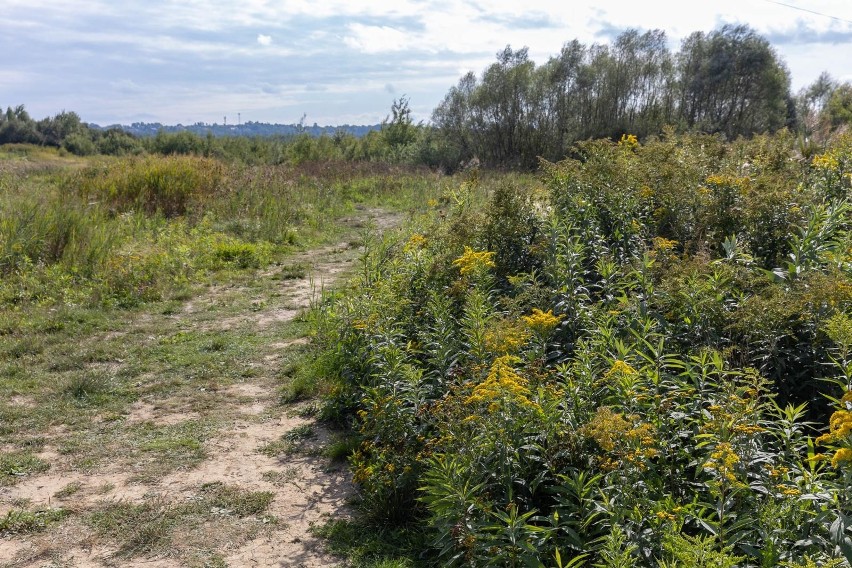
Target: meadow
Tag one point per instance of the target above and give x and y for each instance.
(157, 386)
(640, 355)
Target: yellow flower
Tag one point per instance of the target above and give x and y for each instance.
(415, 242)
(841, 456)
(840, 426)
(628, 140)
(825, 162)
(723, 460)
(503, 384)
(542, 322)
(664, 245)
(620, 369)
(473, 261)
(506, 338)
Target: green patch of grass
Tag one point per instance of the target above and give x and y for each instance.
(86, 387)
(69, 490)
(26, 347)
(140, 529)
(236, 501)
(149, 527)
(167, 448)
(299, 375)
(339, 450)
(299, 433)
(290, 442)
(15, 465)
(368, 546)
(19, 521)
(294, 271)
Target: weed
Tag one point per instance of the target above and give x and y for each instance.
(69, 490)
(235, 500)
(140, 529)
(15, 465)
(22, 522)
(299, 433)
(86, 387)
(295, 271)
(373, 547)
(341, 449)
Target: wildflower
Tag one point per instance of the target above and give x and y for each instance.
(840, 426)
(415, 242)
(664, 516)
(723, 460)
(541, 322)
(646, 192)
(620, 369)
(506, 338)
(748, 429)
(825, 162)
(473, 261)
(841, 456)
(628, 140)
(614, 432)
(503, 383)
(664, 245)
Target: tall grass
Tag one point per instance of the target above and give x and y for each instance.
(168, 185)
(128, 230)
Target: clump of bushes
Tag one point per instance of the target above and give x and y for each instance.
(646, 365)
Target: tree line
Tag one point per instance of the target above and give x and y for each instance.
(729, 82)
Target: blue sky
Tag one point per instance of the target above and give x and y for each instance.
(339, 61)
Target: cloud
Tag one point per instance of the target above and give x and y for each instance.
(806, 33)
(376, 39)
(264, 39)
(532, 21)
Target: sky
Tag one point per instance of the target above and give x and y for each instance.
(340, 61)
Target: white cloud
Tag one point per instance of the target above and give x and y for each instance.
(376, 39)
(264, 39)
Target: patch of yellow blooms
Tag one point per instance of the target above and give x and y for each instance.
(839, 430)
(825, 162)
(541, 322)
(474, 261)
(502, 383)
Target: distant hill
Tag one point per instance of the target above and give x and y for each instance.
(246, 129)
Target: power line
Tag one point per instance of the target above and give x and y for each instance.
(809, 11)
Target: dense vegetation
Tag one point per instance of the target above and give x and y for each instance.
(641, 355)
(642, 359)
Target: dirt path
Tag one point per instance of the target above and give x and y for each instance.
(252, 444)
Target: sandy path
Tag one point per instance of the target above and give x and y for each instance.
(307, 488)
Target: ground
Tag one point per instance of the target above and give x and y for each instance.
(182, 436)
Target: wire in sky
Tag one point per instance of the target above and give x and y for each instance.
(809, 11)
